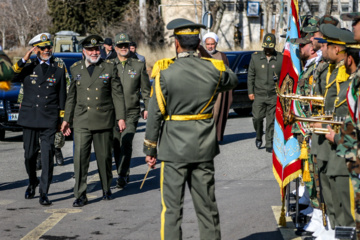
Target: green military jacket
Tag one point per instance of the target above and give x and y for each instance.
(319, 84)
(261, 73)
(330, 94)
(6, 72)
(94, 102)
(337, 165)
(133, 77)
(188, 85)
(347, 140)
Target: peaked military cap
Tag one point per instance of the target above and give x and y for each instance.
(334, 35)
(92, 41)
(41, 40)
(122, 38)
(349, 40)
(303, 40)
(183, 26)
(350, 16)
(269, 41)
(326, 19)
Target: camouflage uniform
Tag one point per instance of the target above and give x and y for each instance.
(6, 72)
(347, 147)
(59, 137)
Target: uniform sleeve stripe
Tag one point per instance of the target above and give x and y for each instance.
(16, 68)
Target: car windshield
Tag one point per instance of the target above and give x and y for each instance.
(231, 57)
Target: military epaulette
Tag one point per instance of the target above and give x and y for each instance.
(60, 62)
(111, 61)
(218, 64)
(161, 65)
(255, 53)
(76, 63)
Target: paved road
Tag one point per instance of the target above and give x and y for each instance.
(245, 190)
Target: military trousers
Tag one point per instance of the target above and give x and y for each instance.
(264, 107)
(102, 140)
(336, 193)
(122, 145)
(32, 146)
(201, 182)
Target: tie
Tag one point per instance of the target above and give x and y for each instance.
(44, 68)
(91, 69)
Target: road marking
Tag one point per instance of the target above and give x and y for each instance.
(49, 223)
(6, 202)
(288, 232)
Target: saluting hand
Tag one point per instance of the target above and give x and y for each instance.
(122, 125)
(28, 54)
(65, 128)
(151, 161)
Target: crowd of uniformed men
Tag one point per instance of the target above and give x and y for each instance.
(330, 60)
(101, 106)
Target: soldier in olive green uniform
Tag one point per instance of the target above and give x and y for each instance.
(133, 76)
(261, 89)
(187, 140)
(333, 171)
(94, 101)
(6, 72)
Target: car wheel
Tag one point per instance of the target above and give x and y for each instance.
(242, 111)
(2, 134)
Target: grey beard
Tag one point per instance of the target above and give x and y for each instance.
(45, 59)
(88, 58)
(211, 52)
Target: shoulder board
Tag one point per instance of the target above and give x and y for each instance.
(60, 62)
(255, 53)
(218, 64)
(161, 65)
(75, 64)
(110, 61)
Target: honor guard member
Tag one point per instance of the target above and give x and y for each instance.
(6, 71)
(180, 121)
(134, 79)
(44, 98)
(348, 138)
(334, 175)
(261, 89)
(95, 100)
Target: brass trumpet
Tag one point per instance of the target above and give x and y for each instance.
(315, 100)
(334, 123)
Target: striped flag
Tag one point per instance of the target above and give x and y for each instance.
(351, 99)
(286, 163)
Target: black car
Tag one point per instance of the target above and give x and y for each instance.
(239, 62)
(9, 107)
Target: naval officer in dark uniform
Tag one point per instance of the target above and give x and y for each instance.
(95, 100)
(44, 98)
(180, 120)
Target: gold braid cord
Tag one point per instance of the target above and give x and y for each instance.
(149, 143)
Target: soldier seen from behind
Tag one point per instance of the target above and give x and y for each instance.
(181, 126)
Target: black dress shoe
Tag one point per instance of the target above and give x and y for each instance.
(269, 150)
(30, 191)
(80, 202)
(302, 232)
(107, 195)
(43, 200)
(38, 161)
(59, 157)
(258, 143)
(121, 182)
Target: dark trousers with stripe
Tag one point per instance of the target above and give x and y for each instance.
(102, 140)
(32, 146)
(201, 183)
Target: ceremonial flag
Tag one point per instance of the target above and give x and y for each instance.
(286, 163)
